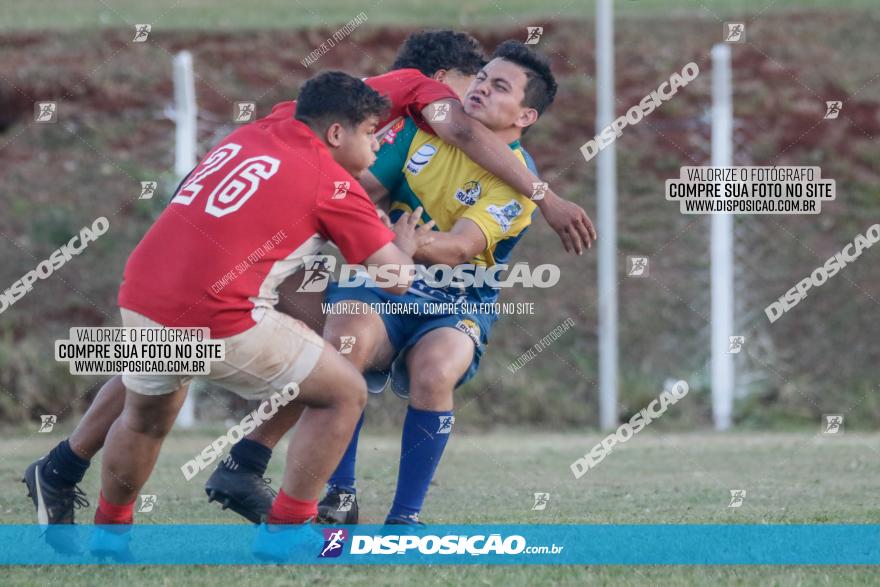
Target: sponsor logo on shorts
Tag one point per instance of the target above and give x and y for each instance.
(421, 158)
(471, 328)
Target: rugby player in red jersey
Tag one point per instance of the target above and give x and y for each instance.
(432, 69)
(291, 181)
(431, 66)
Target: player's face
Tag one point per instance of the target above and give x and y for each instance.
(495, 96)
(357, 146)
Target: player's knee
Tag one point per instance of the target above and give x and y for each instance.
(358, 396)
(351, 340)
(352, 393)
(434, 378)
(151, 420)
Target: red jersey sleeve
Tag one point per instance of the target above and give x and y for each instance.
(348, 217)
(410, 91)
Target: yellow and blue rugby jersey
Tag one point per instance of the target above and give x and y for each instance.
(419, 169)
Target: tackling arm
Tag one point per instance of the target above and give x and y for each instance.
(461, 244)
(567, 219)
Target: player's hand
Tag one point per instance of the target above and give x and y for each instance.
(410, 236)
(569, 221)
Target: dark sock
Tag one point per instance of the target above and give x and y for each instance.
(343, 477)
(248, 454)
(424, 438)
(63, 466)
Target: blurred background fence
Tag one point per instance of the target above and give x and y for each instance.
(115, 130)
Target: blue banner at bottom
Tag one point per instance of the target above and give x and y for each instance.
(443, 544)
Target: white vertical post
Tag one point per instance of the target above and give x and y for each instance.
(606, 218)
(722, 244)
(185, 112)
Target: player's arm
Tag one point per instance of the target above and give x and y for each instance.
(357, 230)
(396, 257)
(374, 187)
(488, 151)
(461, 244)
(499, 214)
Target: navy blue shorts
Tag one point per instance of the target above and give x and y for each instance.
(409, 317)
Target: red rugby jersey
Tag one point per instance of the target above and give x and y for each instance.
(266, 196)
(409, 91)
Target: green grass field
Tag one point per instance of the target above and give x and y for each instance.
(655, 478)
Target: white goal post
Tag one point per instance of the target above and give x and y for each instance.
(185, 124)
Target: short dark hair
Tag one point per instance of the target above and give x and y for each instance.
(432, 50)
(540, 85)
(334, 96)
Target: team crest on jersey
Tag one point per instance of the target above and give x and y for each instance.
(469, 193)
(471, 328)
(506, 214)
(421, 158)
(391, 135)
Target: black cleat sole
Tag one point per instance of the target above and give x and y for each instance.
(228, 503)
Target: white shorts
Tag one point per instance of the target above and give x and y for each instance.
(276, 351)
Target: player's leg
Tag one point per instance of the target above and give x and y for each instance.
(305, 307)
(59, 472)
(89, 435)
(436, 364)
(239, 482)
(334, 394)
(132, 448)
(371, 349)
